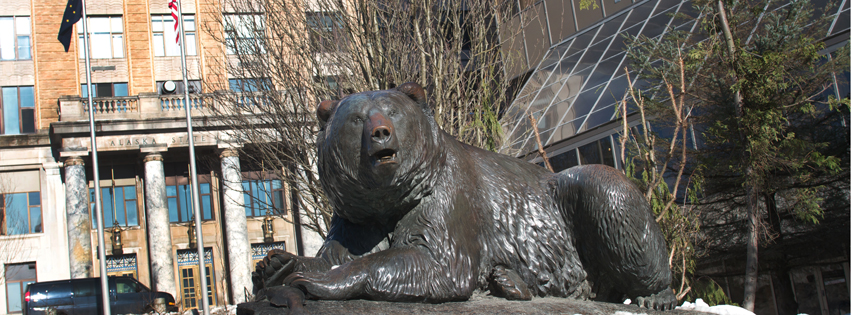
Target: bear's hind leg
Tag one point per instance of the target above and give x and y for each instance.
(616, 234)
(506, 283)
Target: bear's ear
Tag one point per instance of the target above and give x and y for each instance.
(415, 92)
(324, 110)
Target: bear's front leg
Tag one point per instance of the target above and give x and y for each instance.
(279, 264)
(406, 274)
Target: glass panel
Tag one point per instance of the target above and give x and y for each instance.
(600, 117)
(10, 111)
(185, 198)
(24, 47)
(34, 198)
(7, 39)
(603, 72)
(106, 201)
(116, 26)
(13, 293)
(608, 155)
(656, 25)
(639, 14)
(35, 220)
(132, 213)
(27, 100)
(582, 41)
(101, 46)
(159, 48)
(22, 25)
(157, 23)
(246, 198)
(119, 89)
(16, 214)
(117, 46)
(173, 210)
(563, 132)
(564, 160)
(611, 27)
(204, 188)
(590, 154)
(190, 45)
(28, 120)
(119, 206)
(188, 23)
(206, 209)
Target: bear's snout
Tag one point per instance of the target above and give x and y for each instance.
(380, 129)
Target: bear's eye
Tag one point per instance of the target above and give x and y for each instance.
(357, 120)
(392, 112)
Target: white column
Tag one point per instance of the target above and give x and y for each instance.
(159, 230)
(79, 221)
(236, 230)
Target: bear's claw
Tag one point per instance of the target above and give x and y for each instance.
(662, 301)
(507, 283)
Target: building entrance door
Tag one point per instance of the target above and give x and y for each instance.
(190, 282)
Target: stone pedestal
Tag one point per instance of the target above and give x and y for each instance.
(79, 221)
(159, 231)
(239, 249)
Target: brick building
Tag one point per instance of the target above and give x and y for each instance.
(47, 231)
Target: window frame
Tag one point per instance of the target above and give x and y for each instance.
(113, 35)
(183, 181)
(324, 35)
(254, 207)
(20, 110)
(84, 91)
(17, 36)
(113, 202)
(22, 283)
(31, 227)
(168, 40)
(234, 23)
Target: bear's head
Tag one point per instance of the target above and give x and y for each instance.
(379, 152)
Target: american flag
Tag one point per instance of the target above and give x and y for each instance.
(173, 6)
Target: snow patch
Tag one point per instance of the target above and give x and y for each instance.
(701, 306)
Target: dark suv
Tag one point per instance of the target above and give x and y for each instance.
(83, 296)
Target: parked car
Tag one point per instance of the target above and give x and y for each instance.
(83, 296)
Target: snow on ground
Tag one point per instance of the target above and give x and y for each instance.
(700, 305)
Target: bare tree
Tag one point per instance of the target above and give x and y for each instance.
(284, 57)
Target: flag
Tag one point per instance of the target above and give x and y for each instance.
(173, 6)
(73, 13)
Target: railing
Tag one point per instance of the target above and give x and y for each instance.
(153, 105)
(175, 102)
(112, 105)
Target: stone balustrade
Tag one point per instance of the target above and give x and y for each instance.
(142, 106)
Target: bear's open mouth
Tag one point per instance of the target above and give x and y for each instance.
(385, 156)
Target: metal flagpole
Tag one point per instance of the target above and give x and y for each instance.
(196, 202)
(104, 282)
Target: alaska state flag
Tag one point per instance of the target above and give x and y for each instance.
(73, 13)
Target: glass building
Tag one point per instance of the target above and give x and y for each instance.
(575, 71)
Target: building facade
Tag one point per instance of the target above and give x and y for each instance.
(570, 76)
(47, 227)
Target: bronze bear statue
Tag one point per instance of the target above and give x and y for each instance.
(422, 217)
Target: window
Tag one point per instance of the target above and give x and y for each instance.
(105, 89)
(20, 213)
(244, 33)
(180, 202)
(263, 196)
(119, 205)
(249, 85)
(106, 36)
(324, 29)
(18, 115)
(15, 38)
(165, 35)
(18, 277)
